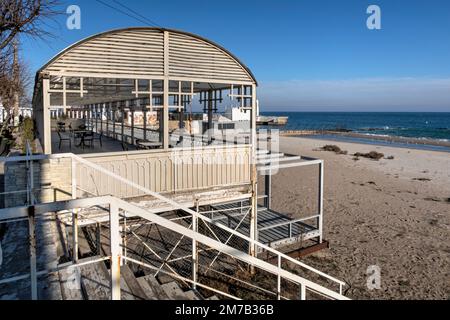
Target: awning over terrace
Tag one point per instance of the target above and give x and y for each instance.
(141, 70)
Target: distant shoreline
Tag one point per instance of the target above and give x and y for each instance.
(348, 136)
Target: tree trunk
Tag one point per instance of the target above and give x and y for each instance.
(16, 86)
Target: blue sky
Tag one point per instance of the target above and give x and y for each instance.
(308, 55)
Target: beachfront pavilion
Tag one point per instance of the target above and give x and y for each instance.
(136, 88)
(191, 215)
(139, 84)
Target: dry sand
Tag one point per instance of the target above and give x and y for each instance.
(391, 213)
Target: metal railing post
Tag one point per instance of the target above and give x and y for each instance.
(124, 239)
(74, 214)
(279, 279)
(302, 292)
(195, 250)
(75, 235)
(115, 250)
(32, 242)
(98, 239)
(320, 218)
(31, 177)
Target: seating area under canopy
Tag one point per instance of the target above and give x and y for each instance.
(143, 88)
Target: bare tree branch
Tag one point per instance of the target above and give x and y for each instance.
(24, 17)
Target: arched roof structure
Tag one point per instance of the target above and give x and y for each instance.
(145, 52)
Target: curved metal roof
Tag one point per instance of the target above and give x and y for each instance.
(173, 31)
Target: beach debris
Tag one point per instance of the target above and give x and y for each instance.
(390, 158)
(422, 179)
(433, 199)
(334, 148)
(371, 155)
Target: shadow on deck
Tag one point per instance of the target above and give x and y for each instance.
(108, 145)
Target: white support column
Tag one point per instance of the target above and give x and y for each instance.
(115, 250)
(64, 94)
(47, 128)
(254, 202)
(166, 93)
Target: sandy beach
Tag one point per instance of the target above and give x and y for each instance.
(391, 213)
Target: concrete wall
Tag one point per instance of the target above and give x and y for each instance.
(178, 170)
(52, 181)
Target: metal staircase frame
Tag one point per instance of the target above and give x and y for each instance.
(31, 211)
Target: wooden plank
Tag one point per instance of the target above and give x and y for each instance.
(94, 282)
(160, 294)
(70, 282)
(173, 291)
(135, 289)
(84, 248)
(149, 292)
(191, 295)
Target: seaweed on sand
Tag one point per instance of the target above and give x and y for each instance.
(371, 155)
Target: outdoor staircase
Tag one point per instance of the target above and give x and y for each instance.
(95, 285)
(159, 264)
(92, 281)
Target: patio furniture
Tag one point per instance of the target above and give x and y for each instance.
(63, 138)
(147, 145)
(80, 134)
(99, 136)
(62, 126)
(89, 138)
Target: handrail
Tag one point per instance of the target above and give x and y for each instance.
(216, 245)
(225, 248)
(287, 223)
(9, 215)
(178, 206)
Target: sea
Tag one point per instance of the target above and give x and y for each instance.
(432, 129)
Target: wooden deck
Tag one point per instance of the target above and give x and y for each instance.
(274, 228)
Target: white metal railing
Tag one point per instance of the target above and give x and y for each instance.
(32, 213)
(277, 270)
(115, 205)
(196, 215)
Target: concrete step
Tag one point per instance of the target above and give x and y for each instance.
(152, 288)
(149, 292)
(95, 282)
(173, 291)
(135, 289)
(163, 278)
(191, 295)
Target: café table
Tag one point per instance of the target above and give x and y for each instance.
(150, 144)
(80, 134)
